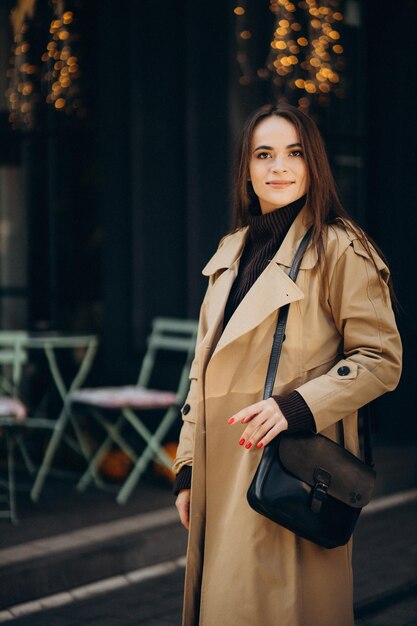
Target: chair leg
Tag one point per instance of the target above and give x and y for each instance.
(25, 454)
(11, 476)
(113, 436)
(91, 473)
(53, 445)
(82, 446)
(148, 454)
(150, 439)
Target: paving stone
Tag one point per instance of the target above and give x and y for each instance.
(402, 614)
(385, 556)
(385, 551)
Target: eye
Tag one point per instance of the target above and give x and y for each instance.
(296, 153)
(263, 155)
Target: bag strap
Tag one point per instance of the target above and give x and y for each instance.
(366, 429)
(279, 337)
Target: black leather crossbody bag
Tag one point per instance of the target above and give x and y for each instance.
(306, 482)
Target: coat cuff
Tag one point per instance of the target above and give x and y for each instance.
(183, 479)
(296, 412)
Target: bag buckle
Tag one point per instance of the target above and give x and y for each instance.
(322, 480)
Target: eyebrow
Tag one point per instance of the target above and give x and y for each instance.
(291, 145)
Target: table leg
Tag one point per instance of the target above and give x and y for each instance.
(64, 416)
(53, 444)
(25, 454)
(11, 476)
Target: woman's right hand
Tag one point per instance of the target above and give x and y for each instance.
(183, 505)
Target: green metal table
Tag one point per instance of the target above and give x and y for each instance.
(49, 344)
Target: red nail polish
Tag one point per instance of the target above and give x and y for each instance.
(248, 445)
(231, 421)
(241, 442)
(260, 445)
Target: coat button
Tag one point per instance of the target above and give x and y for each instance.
(186, 409)
(343, 371)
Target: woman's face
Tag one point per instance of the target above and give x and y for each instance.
(277, 168)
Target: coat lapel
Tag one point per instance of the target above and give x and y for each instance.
(287, 250)
(225, 263)
(272, 290)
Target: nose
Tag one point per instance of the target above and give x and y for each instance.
(278, 165)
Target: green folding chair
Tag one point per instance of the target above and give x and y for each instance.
(167, 334)
(13, 416)
(13, 357)
(12, 413)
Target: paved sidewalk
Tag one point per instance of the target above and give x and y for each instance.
(72, 540)
(158, 603)
(151, 603)
(402, 614)
(384, 596)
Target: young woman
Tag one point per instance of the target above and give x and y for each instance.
(341, 350)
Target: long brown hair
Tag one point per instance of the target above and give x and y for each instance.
(322, 198)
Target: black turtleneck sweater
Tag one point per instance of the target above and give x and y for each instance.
(266, 234)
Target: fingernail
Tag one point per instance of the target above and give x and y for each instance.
(248, 445)
(260, 445)
(231, 421)
(241, 442)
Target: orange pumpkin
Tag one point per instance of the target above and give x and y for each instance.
(170, 450)
(116, 465)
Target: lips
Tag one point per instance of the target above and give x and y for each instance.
(280, 184)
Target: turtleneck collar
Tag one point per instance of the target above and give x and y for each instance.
(273, 226)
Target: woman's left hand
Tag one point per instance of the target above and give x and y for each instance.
(266, 421)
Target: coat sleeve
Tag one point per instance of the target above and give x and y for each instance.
(371, 361)
(185, 450)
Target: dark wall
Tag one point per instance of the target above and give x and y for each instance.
(114, 136)
(125, 213)
(164, 154)
(391, 96)
(171, 106)
(157, 122)
(208, 44)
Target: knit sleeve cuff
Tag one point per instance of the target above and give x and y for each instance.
(183, 479)
(296, 412)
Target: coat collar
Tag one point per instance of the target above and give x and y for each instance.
(271, 291)
(229, 251)
(232, 247)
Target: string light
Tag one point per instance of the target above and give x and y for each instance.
(285, 46)
(23, 91)
(61, 65)
(305, 59)
(306, 53)
(58, 78)
(243, 36)
(325, 45)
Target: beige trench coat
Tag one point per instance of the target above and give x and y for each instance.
(242, 569)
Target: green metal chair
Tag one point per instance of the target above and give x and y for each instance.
(174, 335)
(13, 357)
(13, 415)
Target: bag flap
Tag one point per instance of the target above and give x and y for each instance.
(311, 457)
